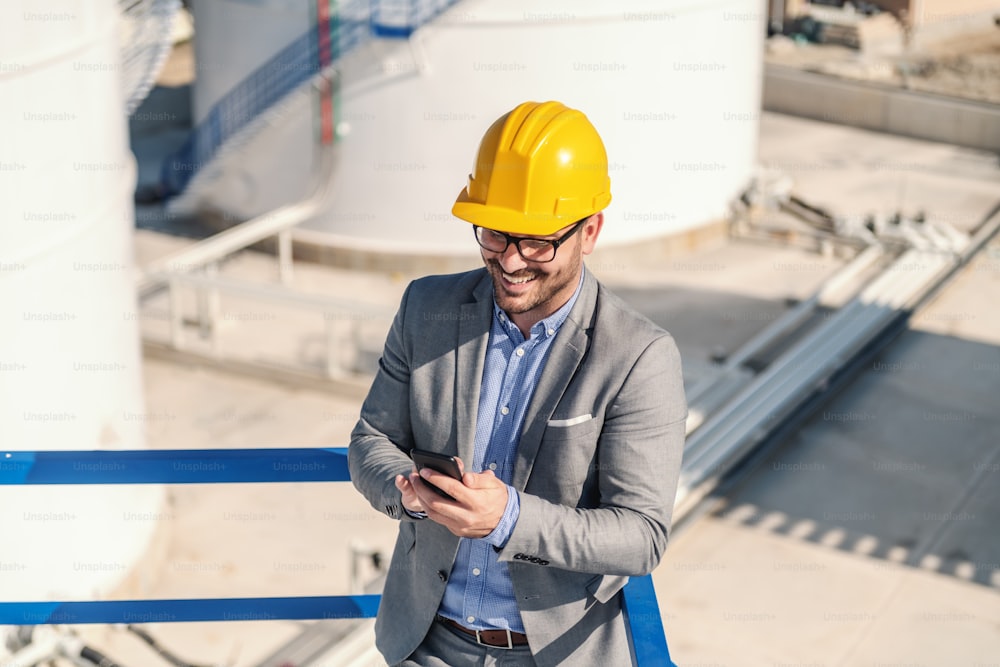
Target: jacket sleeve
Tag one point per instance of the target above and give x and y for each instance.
(637, 467)
(382, 437)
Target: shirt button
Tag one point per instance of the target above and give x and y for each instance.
(551, 331)
(493, 466)
(504, 410)
(476, 571)
(520, 351)
(470, 619)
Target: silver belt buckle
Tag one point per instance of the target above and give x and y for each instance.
(510, 641)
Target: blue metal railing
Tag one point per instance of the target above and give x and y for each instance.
(225, 466)
(355, 22)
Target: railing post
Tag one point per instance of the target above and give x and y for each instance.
(176, 315)
(212, 307)
(332, 363)
(647, 639)
(355, 357)
(285, 256)
(202, 306)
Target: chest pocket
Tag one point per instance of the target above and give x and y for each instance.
(570, 428)
(565, 460)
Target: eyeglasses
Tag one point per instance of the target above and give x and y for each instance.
(530, 249)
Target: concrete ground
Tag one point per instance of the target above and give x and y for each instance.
(870, 536)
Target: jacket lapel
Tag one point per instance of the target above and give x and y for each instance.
(567, 350)
(473, 337)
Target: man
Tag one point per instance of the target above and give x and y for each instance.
(565, 406)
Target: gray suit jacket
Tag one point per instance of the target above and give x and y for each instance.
(596, 469)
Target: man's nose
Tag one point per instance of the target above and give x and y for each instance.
(511, 259)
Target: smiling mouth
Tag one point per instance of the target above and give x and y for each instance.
(517, 280)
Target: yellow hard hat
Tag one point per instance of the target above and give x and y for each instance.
(539, 168)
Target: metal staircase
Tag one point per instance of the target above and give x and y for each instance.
(245, 110)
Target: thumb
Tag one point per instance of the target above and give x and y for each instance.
(475, 481)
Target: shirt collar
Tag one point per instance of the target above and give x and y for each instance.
(551, 324)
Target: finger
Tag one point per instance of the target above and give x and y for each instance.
(482, 480)
(404, 484)
(414, 481)
(409, 498)
(446, 483)
(440, 509)
(425, 495)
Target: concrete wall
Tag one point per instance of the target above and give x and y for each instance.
(882, 108)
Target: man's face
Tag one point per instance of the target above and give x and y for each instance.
(531, 291)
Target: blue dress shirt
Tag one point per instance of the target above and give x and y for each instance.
(479, 593)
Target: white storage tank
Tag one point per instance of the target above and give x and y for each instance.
(673, 87)
(70, 365)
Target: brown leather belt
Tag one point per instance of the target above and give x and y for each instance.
(494, 638)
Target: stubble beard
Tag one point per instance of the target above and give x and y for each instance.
(545, 286)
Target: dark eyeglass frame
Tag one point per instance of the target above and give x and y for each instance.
(516, 240)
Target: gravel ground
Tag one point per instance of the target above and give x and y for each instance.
(968, 66)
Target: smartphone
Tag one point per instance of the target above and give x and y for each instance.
(442, 463)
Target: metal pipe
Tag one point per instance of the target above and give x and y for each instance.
(773, 394)
(788, 321)
(757, 402)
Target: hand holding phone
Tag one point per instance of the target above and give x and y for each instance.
(442, 463)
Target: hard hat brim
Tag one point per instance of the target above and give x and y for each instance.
(517, 222)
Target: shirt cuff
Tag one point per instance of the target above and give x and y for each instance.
(415, 515)
(498, 538)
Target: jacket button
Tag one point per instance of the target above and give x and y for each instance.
(442, 575)
(543, 562)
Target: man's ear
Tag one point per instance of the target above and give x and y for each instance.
(591, 230)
